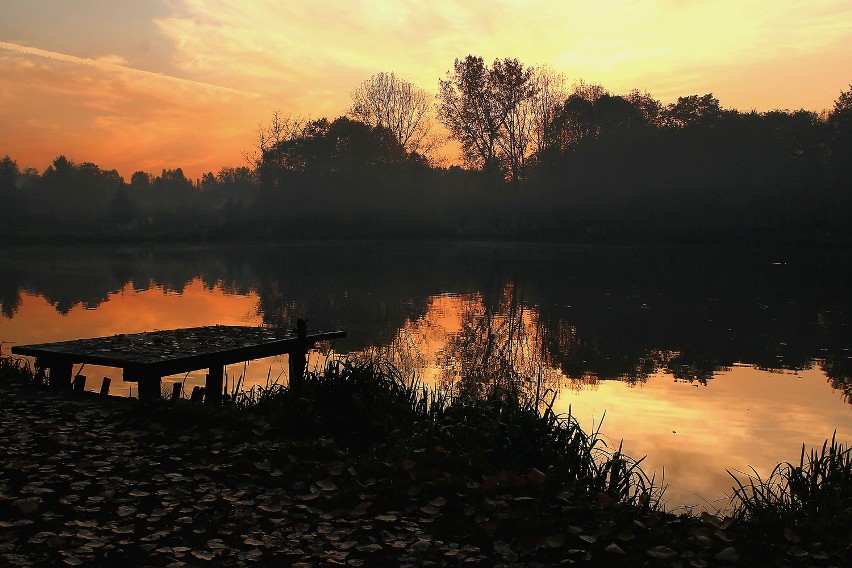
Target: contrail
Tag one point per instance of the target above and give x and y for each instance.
(26, 50)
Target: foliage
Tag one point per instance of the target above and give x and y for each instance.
(359, 403)
(16, 368)
(587, 166)
(490, 111)
(812, 497)
(362, 403)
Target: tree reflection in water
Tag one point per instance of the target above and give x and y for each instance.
(549, 313)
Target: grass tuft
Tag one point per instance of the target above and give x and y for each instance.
(16, 368)
(491, 430)
(814, 496)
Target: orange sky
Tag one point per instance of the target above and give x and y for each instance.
(184, 83)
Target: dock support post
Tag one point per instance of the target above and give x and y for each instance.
(60, 375)
(214, 384)
(40, 376)
(298, 356)
(149, 388)
(105, 386)
(197, 394)
(79, 384)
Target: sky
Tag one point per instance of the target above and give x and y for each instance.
(146, 85)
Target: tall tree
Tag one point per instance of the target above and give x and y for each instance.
(141, 181)
(470, 111)
(646, 104)
(490, 111)
(8, 174)
(396, 104)
(514, 91)
(588, 91)
(549, 93)
(693, 110)
(840, 120)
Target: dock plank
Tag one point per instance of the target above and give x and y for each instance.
(154, 354)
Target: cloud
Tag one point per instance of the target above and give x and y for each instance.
(184, 82)
(111, 63)
(119, 117)
(313, 53)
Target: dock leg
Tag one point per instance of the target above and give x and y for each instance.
(60, 376)
(214, 384)
(298, 357)
(79, 384)
(40, 376)
(149, 388)
(297, 362)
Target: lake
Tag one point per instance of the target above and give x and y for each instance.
(702, 359)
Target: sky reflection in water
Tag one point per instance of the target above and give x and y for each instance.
(571, 333)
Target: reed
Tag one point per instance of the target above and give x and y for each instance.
(498, 427)
(16, 368)
(813, 496)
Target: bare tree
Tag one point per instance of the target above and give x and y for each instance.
(403, 108)
(588, 91)
(550, 93)
(280, 128)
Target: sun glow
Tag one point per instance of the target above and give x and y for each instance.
(185, 83)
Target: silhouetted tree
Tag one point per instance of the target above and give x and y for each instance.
(281, 127)
(650, 108)
(141, 181)
(490, 111)
(208, 181)
(840, 120)
(323, 150)
(588, 91)
(69, 192)
(470, 111)
(8, 175)
(572, 123)
(10, 196)
(122, 209)
(549, 93)
(172, 181)
(693, 110)
(396, 104)
(515, 91)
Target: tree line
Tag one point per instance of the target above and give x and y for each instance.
(541, 160)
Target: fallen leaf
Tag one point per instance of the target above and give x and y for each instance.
(614, 549)
(661, 552)
(791, 536)
(729, 554)
(203, 554)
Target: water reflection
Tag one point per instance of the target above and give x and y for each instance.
(660, 338)
(600, 313)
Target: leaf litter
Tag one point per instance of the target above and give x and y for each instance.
(80, 483)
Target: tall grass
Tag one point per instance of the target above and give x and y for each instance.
(16, 368)
(815, 494)
(365, 402)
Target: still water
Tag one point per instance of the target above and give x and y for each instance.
(703, 360)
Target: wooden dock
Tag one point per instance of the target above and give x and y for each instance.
(147, 357)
